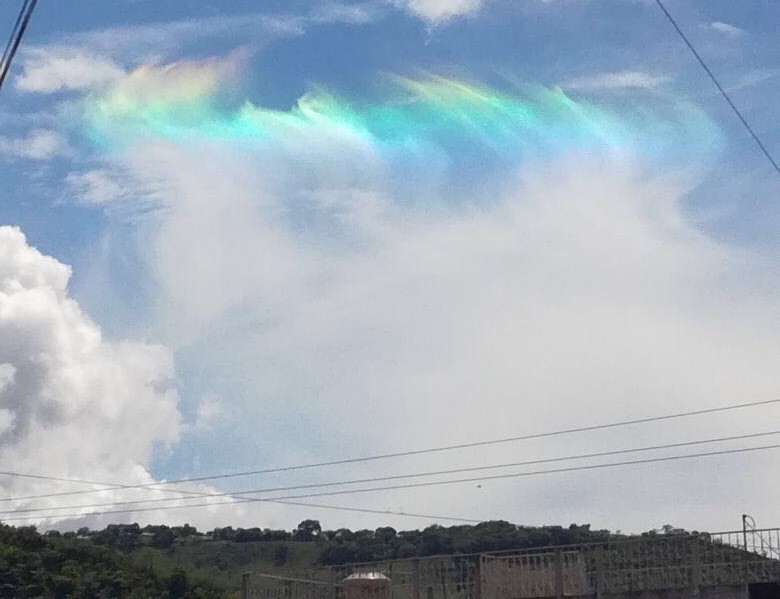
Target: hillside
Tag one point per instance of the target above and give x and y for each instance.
(35, 565)
(222, 555)
(127, 560)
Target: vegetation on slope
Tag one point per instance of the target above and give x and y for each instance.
(127, 560)
(35, 565)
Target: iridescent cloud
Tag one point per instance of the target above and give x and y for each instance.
(187, 101)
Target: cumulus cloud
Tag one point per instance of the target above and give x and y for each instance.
(48, 70)
(437, 11)
(76, 405)
(38, 144)
(616, 80)
(72, 403)
(337, 316)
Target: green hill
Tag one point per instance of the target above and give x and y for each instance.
(34, 565)
(127, 560)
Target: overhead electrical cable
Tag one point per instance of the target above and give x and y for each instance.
(292, 503)
(16, 37)
(408, 485)
(14, 33)
(382, 512)
(342, 508)
(398, 454)
(722, 91)
(200, 494)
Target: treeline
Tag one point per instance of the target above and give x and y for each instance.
(50, 565)
(343, 545)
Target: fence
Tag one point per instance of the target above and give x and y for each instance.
(265, 586)
(619, 567)
(761, 541)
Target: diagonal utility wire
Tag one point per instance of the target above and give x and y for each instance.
(16, 37)
(14, 33)
(722, 91)
(395, 477)
(512, 475)
(159, 486)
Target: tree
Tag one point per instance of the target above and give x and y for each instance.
(344, 534)
(163, 538)
(184, 531)
(435, 540)
(35, 565)
(307, 530)
(281, 555)
(249, 535)
(178, 585)
(385, 534)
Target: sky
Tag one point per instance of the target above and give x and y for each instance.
(239, 236)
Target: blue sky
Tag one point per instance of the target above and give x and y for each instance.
(302, 286)
(536, 42)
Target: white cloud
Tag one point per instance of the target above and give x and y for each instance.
(76, 405)
(208, 413)
(157, 39)
(7, 372)
(581, 293)
(38, 144)
(726, 29)
(72, 403)
(356, 14)
(752, 78)
(437, 11)
(616, 80)
(97, 186)
(46, 70)
(92, 58)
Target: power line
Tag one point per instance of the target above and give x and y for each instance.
(14, 32)
(398, 454)
(383, 512)
(16, 37)
(104, 486)
(537, 472)
(399, 476)
(408, 485)
(292, 503)
(340, 508)
(722, 91)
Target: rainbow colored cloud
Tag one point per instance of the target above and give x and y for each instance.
(187, 101)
